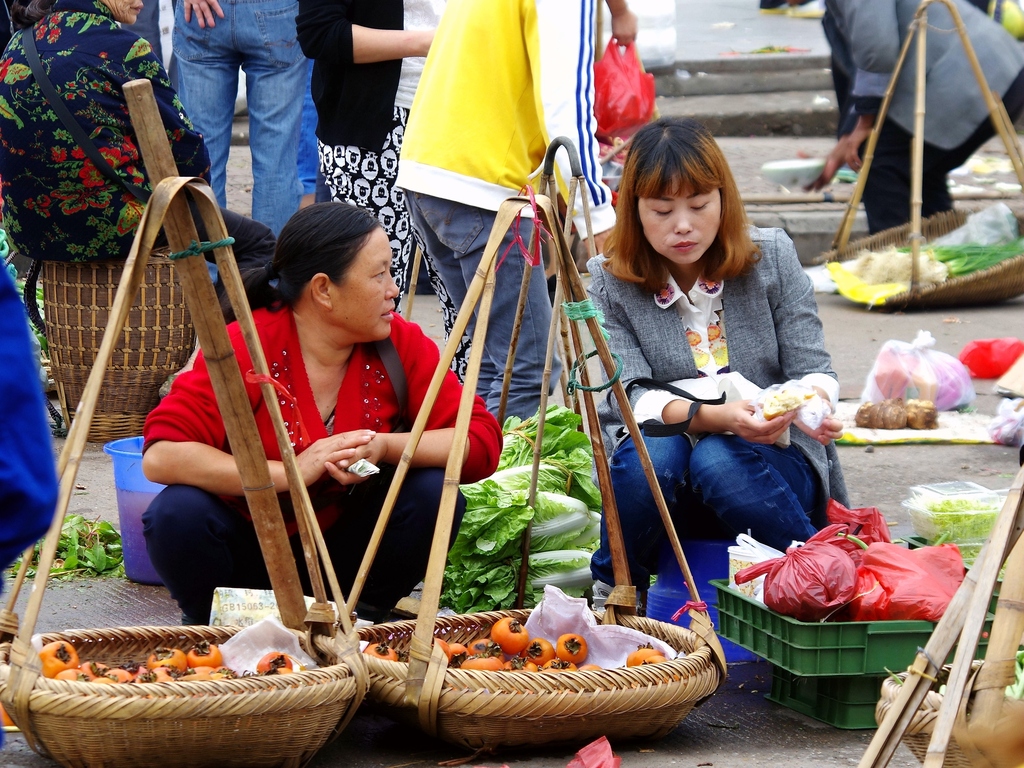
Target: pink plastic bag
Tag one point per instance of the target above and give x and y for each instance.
(916, 370)
(623, 93)
(991, 358)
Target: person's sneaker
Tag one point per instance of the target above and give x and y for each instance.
(811, 9)
(599, 593)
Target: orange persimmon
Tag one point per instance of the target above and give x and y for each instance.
(571, 647)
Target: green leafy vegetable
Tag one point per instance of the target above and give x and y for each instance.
(86, 548)
(972, 257)
(1016, 690)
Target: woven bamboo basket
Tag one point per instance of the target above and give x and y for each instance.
(251, 721)
(998, 283)
(479, 709)
(156, 341)
(919, 731)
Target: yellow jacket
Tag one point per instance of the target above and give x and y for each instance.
(503, 78)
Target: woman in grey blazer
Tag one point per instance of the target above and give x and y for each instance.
(694, 297)
(867, 35)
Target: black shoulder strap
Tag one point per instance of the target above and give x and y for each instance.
(57, 103)
(396, 372)
(653, 428)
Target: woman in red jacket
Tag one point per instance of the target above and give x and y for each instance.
(352, 376)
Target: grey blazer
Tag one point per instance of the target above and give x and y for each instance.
(874, 31)
(772, 332)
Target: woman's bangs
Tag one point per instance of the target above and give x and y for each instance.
(673, 173)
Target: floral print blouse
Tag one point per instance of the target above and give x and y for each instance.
(56, 204)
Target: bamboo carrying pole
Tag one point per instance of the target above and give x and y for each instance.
(963, 620)
(997, 112)
(229, 388)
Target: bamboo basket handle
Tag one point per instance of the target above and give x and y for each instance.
(419, 425)
(25, 665)
(421, 656)
(266, 513)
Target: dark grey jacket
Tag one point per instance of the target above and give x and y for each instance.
(771, 328)
(874, 31)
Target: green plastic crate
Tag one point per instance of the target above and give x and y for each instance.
(842, 701)
(827, 648)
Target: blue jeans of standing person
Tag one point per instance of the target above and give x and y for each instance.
(197, 543)
(454, 236)
(257, 36)
(719, 488)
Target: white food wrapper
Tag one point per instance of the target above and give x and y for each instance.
(608, 645)
(363, 468)
(746, 552)
(243, 607)
(243, 651)
(812, 411)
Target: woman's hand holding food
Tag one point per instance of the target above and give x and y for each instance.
(738, 418)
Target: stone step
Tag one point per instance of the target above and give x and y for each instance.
(783, 113)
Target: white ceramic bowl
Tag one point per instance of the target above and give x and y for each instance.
(794, 174)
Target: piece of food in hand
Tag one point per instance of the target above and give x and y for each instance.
(888, 414)
(783, 401)
(921, 414)
(363, 468)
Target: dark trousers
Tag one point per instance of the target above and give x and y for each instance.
(197, 542)
(887, 190)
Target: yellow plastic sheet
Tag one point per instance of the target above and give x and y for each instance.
(855, 289)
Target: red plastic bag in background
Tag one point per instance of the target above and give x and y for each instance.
(866, 523)
(897, 584)
(624, 93)
(991, 358)
(811, 582)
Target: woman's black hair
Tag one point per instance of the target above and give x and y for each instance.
(325, 237)
(24, 15)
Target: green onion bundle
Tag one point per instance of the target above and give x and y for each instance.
(970, 257)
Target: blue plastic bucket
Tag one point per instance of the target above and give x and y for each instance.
(134, 494)
(708, 559)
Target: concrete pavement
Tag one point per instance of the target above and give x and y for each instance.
(737, 726)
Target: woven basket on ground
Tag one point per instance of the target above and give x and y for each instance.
(156, 342)
(489, 709)
(1003, 281)
(280, 720)
(919, 732)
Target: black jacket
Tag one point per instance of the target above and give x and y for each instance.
(354, 102)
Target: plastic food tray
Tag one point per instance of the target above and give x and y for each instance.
(961, 511)
(842, 701)
(822, 648)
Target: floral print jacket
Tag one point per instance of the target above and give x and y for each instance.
(56, 204)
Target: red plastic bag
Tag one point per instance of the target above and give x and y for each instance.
(991, 358)
(811, 582)
(624, 93)
(866, 523)
(897, 584)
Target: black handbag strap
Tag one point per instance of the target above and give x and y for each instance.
(57, 103)
(396, 372)
(653, 428)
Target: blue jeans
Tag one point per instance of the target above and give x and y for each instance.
(309, 160)
(719, 488)
(259, 37)
(454, 236)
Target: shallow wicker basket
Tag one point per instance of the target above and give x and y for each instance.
(489, 709)
(156, 341)
(254, 721)
(1003, 281)
(919, 731)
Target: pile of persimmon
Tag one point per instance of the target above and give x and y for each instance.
(203, 661)
(509, 647)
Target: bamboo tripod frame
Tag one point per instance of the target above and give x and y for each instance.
(997, 112)
(168, 207)
(964, 622)
(426, 662)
